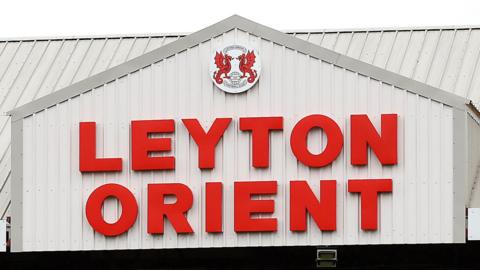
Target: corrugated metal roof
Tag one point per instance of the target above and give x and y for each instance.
(30, 68)
(446, 59)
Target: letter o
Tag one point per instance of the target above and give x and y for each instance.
(299, 145)
(94, 209)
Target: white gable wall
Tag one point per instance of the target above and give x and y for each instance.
(31, 68)
(292, 85)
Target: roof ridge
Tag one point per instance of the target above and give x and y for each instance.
(237, 22)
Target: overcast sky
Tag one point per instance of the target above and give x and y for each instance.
(27, 18)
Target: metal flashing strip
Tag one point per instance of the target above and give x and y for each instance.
(88, 37)
(383, 29)
(472, 109)
(459, 173)
(256, 29)
(17, 186)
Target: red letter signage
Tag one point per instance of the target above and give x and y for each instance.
(253, 201)
(369, 189)
(142, 145)
(213, 206)
(94, 206)
(363, 134)
(244, 206)
(88, 152)
(260, 128)
(175, 212)
(298, 140)
(303, 200)
(207, 141)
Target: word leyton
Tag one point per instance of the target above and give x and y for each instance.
(303, 200)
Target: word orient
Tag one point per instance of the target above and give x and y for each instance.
(302, 200)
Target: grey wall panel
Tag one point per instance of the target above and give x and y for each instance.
(473, 187)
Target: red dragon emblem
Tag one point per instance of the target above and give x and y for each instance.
(223, 65)
(247, 60)
(235, 68)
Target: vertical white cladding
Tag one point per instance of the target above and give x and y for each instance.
(292, 85)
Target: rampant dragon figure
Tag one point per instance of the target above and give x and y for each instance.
(246, 63)
(223, 65)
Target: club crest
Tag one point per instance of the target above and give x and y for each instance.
(235, 68)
